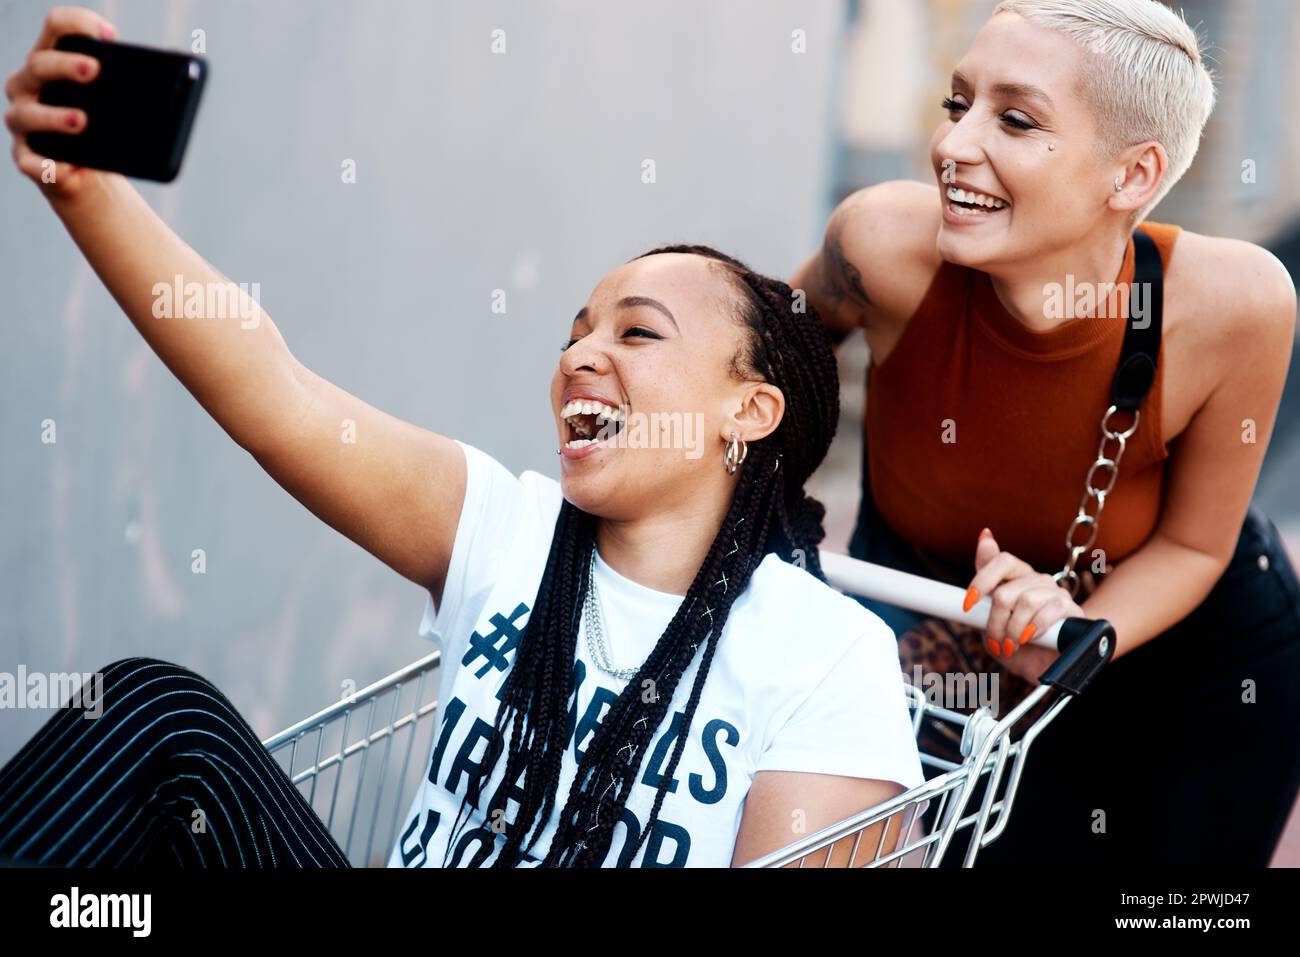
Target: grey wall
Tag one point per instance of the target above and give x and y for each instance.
(475, 171)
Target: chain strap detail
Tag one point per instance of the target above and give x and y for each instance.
(1107, 464)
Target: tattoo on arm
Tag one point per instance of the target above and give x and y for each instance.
(840, 279)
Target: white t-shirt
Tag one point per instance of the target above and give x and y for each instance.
(803, 679)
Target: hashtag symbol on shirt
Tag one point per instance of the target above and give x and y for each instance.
(504, 634)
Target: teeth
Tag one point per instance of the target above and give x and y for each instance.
(979, 199)
(603, 413)
(579, 443)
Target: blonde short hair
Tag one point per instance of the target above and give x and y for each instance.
(1146, 79)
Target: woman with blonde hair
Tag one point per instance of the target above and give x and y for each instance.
(1098, 466)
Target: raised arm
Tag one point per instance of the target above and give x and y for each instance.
(393, 488)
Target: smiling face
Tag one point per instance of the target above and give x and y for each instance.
(1006, 196)
(650, 384)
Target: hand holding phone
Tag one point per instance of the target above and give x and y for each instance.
(139, 109)
(84, 101)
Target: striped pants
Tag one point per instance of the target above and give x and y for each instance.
(167, 774)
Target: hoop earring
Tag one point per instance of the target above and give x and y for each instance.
(734, 456)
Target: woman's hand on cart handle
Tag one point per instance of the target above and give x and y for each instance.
(1022, 603)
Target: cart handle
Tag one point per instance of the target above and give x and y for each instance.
(924, 595)
(1086, 645)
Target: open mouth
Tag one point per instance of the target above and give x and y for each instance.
(965, 202)
(590, 422)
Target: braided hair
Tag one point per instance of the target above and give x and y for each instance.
(784, 345)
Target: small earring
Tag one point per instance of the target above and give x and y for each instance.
(1051, 147)
(1119, 188)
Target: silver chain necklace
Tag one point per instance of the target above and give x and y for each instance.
(592, 615)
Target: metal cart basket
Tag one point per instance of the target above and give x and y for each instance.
(358, 761)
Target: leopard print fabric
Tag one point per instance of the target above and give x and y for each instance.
(944, 647)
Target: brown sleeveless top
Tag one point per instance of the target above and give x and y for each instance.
(1024, 409)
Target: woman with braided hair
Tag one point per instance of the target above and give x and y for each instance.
(764, 374)
(642, 664)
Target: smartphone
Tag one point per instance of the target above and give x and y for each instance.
(139, 109)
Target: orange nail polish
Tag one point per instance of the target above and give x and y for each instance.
(1027, 633)
(1008, 647)
(972, 596)
(993, 649)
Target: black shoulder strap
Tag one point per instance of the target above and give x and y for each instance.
(1141, 349)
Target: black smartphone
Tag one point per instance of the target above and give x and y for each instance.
(139, 109)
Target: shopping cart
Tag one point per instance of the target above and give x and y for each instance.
(359, 761)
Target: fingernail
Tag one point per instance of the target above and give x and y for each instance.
(994, 650)
(972, 596)
(83, 68)
(984, 532)
(1008, 646)
(1027, 633)
(73, 119)
(107, 31)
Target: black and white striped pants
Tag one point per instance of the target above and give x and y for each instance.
(167, 774)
